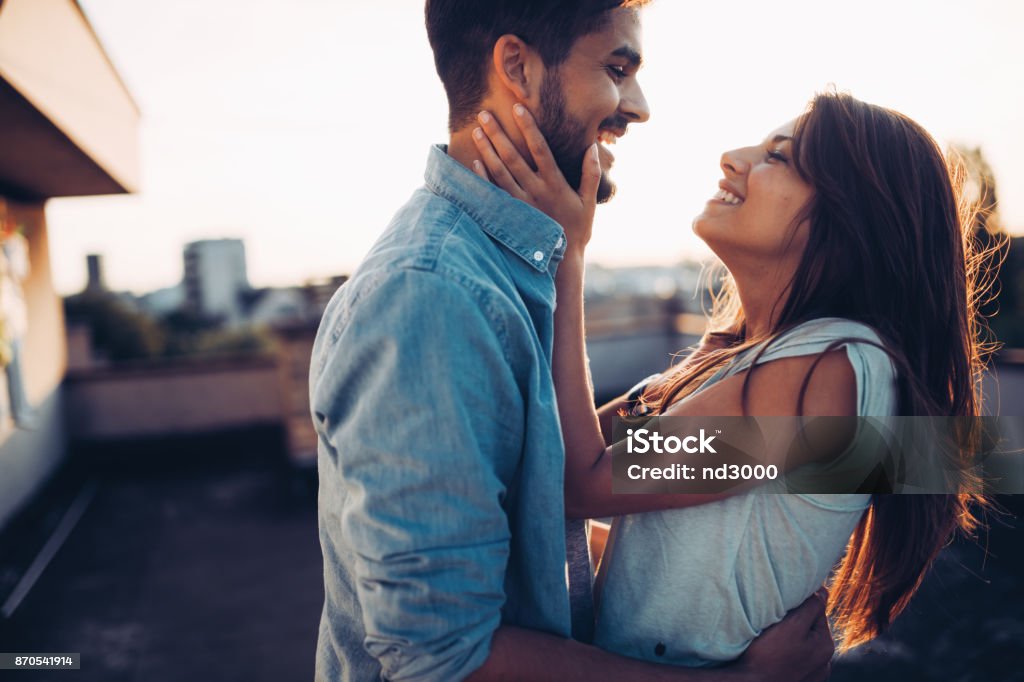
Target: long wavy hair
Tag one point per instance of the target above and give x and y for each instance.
(891, 245)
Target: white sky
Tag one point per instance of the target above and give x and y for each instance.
(302, 126)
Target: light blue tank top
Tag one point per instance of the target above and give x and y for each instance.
(695, 586)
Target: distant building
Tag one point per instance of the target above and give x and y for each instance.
(94, 266)
(275, 306)
(646, 280)
(319, 293)
(215, 279)
(97, 282)
(68, 127)
(290, 306)
(162, 302)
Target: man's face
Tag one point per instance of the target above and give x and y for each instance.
(592, 96)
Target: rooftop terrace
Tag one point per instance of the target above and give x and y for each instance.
(198, 559)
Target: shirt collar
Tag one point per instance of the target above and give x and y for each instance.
(524, 230)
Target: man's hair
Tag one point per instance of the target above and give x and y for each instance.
(462, 34)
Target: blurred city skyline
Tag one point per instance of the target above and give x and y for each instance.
(300, 128)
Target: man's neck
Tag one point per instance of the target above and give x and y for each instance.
(460, 143)
(461, 147)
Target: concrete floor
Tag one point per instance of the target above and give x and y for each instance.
(204, 574)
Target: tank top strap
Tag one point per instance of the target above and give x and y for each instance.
(872, 367)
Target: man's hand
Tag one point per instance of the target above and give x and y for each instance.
(797, 649)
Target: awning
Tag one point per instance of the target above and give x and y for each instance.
(68, 125)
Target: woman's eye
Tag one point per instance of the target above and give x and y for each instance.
(776, 155)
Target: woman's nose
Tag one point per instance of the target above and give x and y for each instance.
(733, 162)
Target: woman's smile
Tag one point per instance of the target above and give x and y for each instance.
(727, 194)
(726, 197)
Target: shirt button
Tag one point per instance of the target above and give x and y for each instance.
(538, 255)
(559, 243)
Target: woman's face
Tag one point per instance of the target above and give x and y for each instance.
(751, 220)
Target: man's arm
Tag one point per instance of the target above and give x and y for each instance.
(407, 404)
(797, 649)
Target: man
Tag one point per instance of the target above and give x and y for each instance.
(441, 458)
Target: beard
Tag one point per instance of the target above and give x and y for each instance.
(567, 136)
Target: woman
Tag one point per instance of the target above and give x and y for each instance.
(851, 291)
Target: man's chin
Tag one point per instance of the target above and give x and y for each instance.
(572, 172)
(605, 189)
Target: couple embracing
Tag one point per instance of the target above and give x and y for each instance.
(460, 452)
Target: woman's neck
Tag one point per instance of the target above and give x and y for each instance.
(762, 296)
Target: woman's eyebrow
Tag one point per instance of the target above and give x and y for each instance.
(781, 138)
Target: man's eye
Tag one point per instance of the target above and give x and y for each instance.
(617, 71)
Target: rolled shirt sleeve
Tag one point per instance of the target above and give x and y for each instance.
(419, 413)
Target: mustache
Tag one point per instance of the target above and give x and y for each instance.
(615, 122)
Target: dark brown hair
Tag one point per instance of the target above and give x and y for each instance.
(462, 34)
(890, 245)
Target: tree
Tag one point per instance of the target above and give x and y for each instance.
(118, 331)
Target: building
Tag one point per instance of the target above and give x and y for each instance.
(215, 279)
(68, 127)
(162, 302)
(275, 306)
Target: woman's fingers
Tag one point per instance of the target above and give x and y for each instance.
(535, 141)
(524, 175)
(591, 177)
(478, 168)
(495, 167)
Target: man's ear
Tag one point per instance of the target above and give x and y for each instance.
(517, 66)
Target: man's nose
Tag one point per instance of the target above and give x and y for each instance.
(634, 105)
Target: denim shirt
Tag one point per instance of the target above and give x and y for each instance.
(440, 452)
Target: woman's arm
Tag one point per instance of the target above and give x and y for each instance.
(607, 413)
(547, 190)
(772, 391)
